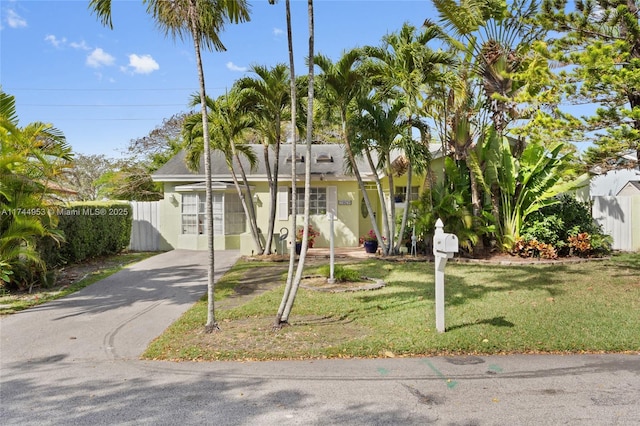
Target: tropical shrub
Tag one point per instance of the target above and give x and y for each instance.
(569, 227)
(519, 187)
(548, 230)
(449, 201)
(32, 159)
(586, 245)
(533, 248)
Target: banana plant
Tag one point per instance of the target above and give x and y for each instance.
(526, 184)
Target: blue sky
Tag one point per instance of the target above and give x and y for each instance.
(104, 87)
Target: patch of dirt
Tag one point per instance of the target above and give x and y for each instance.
(254, 282)
(320, 283)
(66, 276)
(253, 338)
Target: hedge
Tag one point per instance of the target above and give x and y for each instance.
(90, 230)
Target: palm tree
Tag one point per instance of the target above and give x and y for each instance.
(379, 128)
(495, 40)
(32, 158)
(405, 67)
(267, 98)
(342, 83)
(289, 285)
(227, 123)
(202, 20)
(307, 172)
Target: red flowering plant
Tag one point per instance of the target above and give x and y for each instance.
(312, 235)
(369, 237)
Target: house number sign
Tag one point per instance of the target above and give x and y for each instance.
(344, 202)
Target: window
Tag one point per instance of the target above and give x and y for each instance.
(318, 201)
(299, 158)
(193, 213)
(324, 157)
(401, 192)
(322, 201)
(234, 217)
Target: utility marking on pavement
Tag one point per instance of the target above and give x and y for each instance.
(494, 369)
(383, 371)
(450, 383)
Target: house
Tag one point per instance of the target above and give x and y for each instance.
(616, 207)
(333, 189)
(612, 182)
(629, 189)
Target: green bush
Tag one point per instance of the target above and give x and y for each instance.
(90, 230)
(548, 230)
(557, 223)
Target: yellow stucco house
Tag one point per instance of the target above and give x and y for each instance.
(333, 189)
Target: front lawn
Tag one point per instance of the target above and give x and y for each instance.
(583, 307)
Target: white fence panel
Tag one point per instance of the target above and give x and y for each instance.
(145, 229)
(615, 216)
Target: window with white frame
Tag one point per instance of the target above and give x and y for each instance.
(318, 201)
(193, 213)
(401, 193)
(323, 200)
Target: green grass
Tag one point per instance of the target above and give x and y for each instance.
(561, 308)
(11, 302)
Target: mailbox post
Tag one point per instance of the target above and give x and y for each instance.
(444, 246)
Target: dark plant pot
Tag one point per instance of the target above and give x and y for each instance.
(370, 246)
(298, 247)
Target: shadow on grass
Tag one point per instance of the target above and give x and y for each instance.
(495, 321)
(466, 283)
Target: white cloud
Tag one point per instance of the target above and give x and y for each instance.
(14, 20)
(99, 58)
(278, 32)
(80, 46)
(233, 67)
(144, 64)
(55, 41)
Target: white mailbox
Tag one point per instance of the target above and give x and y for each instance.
(445, 244)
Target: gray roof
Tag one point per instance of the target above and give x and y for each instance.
(327, 163)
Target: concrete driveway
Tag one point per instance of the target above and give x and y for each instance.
(115, 318)
(75, 362)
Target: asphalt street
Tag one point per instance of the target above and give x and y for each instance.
(75, 362)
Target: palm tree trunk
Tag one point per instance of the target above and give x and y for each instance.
(307, 177)
(279, 322)
(211, 324)
(407, 202)
(386, 224)
(273, 201)
(272, 190)
(248, 210)
(392, 207)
